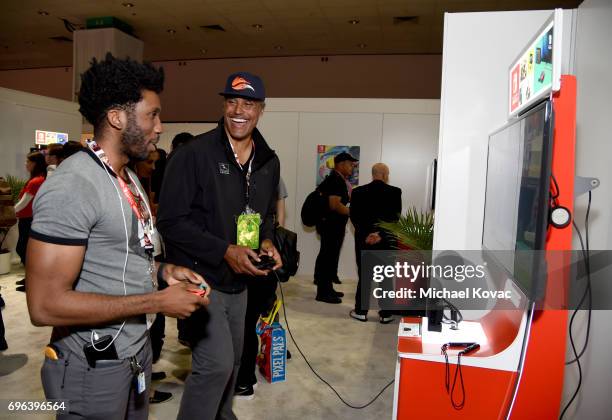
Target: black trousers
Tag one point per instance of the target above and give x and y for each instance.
(363, 285)
(157, 333)
(261, 297)
(2, 339)
(24, 227)
(326, 266)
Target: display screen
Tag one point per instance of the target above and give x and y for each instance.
(517, 195)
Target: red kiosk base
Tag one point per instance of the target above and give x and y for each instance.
(518, 371)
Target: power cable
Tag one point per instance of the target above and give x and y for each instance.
(356, 407)
(587, 292)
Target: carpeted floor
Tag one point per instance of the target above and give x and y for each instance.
(357, 358)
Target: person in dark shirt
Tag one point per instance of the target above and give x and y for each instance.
(332, 228)
(371, 204)
(213, 187)
(179, 140)
(158, 174)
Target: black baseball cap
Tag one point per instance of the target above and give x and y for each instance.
(244, 85)
(341, 157)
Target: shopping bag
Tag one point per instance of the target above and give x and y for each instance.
(272, 358)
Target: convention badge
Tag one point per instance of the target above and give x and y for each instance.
(141, 384)
(150, 320)
(248, 230)
(156, 241)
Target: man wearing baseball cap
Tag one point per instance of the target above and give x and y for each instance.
(332, 227)
(216, 215)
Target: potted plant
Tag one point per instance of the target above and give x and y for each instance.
(413, 230)
(15, 184)
(7, 219)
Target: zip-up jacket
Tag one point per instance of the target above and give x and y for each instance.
(202, 195)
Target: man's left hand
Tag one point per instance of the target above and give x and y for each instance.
(268, 248)
(174, 274)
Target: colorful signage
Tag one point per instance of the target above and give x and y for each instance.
(325, 161)
(50, 137)
(536, 72)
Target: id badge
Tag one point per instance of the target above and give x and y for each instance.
(248, 230)
(141, 383)
(156, 240)
(150, 320)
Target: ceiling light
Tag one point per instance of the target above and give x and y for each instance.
(257, 26)
(362, 45)
(213, 28)
(354, 21)
(43, 13)
(128, 5)
(171, 31)
(398, 20)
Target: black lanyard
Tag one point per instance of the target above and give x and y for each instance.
(249, 170)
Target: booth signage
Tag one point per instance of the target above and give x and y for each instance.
(537, 70)
(50, 137)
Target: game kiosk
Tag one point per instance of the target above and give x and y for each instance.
(516, 371)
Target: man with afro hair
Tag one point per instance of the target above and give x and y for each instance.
(91, 271)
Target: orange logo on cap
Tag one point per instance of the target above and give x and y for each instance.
(240, 83)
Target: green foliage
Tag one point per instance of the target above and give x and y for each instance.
(413, 230)
(16, 185)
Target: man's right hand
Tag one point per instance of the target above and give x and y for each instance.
(178, 301)
(373, 238)
(237, 257)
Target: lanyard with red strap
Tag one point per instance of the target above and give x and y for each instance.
(138, 211)
(143, 215)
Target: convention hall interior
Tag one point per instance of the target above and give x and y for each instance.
(422, 86)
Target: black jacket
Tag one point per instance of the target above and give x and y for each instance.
(372, 203)
(202, 195)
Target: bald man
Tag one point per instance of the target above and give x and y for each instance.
(370, 204)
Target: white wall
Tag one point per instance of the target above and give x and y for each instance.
(478, 50)
(21, 114)
(401, 133)
(593, 61)
(172, 129)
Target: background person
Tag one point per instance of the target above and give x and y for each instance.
(179, 140)
(144, 170)
(37, 168)
(161, 158)
(371, 204)
(53, 157)
(332, 228)
(70, 148)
